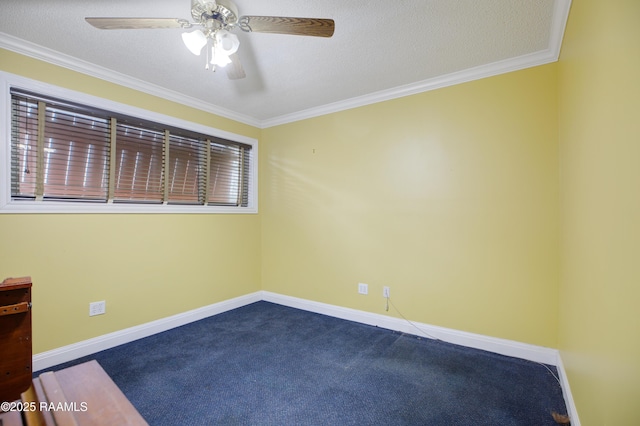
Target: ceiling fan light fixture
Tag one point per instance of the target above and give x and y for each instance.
(215, 18)
(195, 41)
(227, 42)
(219, 57)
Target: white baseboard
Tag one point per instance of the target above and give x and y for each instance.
(492, 344)
(566, 392)
(512, 348)
(87, 347)
(471, 340)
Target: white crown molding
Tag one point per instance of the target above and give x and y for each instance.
(550, 54)
(51, 56)
(452, 79)
(558, 26)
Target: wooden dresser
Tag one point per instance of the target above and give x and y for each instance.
(15, 335)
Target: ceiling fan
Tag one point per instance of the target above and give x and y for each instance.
(215, 21)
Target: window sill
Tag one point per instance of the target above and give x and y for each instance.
(22, 207)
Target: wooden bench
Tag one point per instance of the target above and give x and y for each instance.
(82, 395)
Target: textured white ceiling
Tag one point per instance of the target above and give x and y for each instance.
(379, 47)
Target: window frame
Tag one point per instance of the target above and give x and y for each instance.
(8, 205)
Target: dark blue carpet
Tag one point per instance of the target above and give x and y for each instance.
(266, 364)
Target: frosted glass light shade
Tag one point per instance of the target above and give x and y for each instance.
(219, 57)
(194, 41)
(227, 42)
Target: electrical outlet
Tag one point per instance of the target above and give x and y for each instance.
(363, 288)
(97, 308)
(385, 292)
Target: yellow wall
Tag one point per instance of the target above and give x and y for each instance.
(145, 266)
(599, 110)
(448, 197)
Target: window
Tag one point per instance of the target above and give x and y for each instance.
(66, 153)
(57, 153)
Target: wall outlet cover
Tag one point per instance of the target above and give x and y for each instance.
(97, 308)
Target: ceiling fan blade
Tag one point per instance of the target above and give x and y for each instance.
(315, 27)
(137, 23)
(234, 69)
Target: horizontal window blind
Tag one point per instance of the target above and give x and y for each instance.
(186, 162)
(76, 155)
(24, 147)
(63, 151)
(139, 172)
(226, 174)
